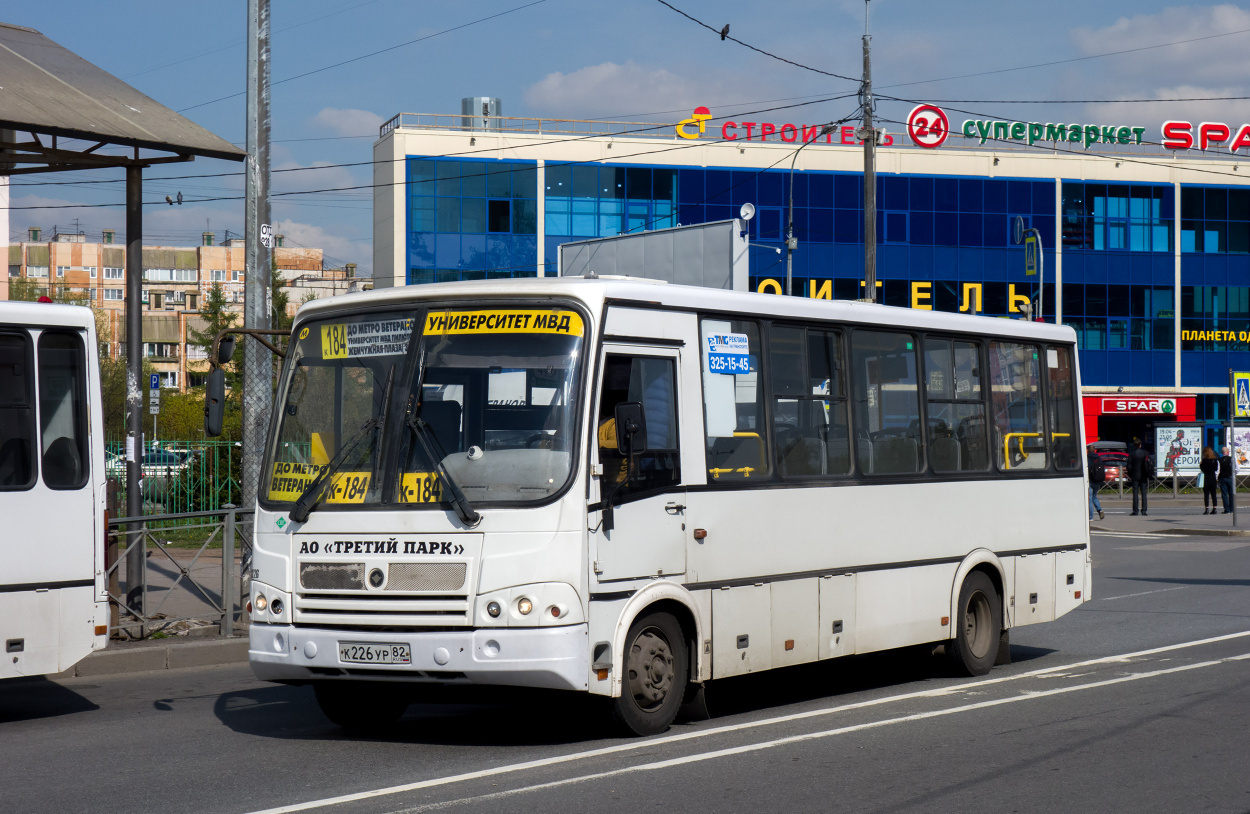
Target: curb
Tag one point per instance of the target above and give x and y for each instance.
(147, 657)
(1201, 532)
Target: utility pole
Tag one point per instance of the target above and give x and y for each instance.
(869, 136)
(257, 364)
(136, 554)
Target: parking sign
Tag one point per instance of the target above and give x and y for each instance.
(155, 382)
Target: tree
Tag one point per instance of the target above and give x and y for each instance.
(25, 289)
(217, 318)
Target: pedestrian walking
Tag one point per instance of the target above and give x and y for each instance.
(1097, 475)
(1226, 479)
(1209, 466)
(1139, 471)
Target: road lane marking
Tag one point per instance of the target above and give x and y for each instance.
(1127, 534)
(720, 730)
(826, 733)
(1143, 593)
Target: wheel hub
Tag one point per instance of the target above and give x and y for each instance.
(650, 669)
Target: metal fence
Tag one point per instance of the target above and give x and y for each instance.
(195, 571)
(1175, 485)
(181, 476)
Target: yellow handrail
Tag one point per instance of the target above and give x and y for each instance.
(1007, 442)
(744, 470)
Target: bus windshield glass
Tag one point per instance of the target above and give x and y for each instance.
(489, 404)
(332, 403)
(494, 403)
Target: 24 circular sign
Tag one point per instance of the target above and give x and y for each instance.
(928, 126)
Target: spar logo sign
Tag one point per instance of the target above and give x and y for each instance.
(1167, 406)
(927, 126)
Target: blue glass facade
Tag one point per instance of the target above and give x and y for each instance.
(944, 242)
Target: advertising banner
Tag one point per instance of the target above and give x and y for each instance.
(1178, 449)
(1240, 447)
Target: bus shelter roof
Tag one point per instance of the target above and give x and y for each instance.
(49, 90)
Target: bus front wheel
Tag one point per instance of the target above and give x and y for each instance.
(656, 671)
(359, 706)
(978, 624)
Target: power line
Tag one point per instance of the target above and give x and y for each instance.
(243, 42)
(371, 54)
(724, 35)
(544, 143)
(1065, 61)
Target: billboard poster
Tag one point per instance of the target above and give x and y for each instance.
(1179, 449)
(1241, 448)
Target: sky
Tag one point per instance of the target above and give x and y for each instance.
(635, 60)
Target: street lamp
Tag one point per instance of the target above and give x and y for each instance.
(791, 241)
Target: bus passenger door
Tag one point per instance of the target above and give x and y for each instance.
(647, 535)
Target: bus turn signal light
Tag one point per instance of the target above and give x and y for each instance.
(699, 534)
(946, 620)
(1077, 595)
(602, 675)
(101, 630)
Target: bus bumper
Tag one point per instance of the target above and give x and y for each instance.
(553, 657)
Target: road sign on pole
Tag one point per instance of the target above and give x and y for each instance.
(155, 382)
(1241, 385)
(1030, 255)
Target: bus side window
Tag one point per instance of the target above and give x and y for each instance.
(17, 413)
(956, 429)
(63, 410)
(652, 382)
(1016, 401)
(1061, 379)
(810, 433)
(733, 408)
(886, 395)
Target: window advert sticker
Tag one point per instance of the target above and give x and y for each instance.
(728, 353)
(568, 323)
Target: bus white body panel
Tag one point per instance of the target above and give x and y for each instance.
(53, 599)
(736, 521)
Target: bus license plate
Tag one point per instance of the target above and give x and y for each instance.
(374, 653)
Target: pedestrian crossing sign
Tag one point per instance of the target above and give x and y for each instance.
(1241, 381)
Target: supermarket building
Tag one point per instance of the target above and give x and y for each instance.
(1145, 228)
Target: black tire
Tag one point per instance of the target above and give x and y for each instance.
(978, 624)
(656, 670)
(359, 706)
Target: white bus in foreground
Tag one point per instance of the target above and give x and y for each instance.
(630, 488)
(53, 599)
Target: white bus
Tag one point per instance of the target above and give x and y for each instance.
(53, 599)
(630, 488)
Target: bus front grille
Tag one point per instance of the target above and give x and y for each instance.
(381, 610)
(426, 576)
(332, 576)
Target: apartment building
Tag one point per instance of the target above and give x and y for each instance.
(176, 281)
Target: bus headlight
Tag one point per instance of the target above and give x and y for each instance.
(524, 606)
(261, 602)
(276, 607)
(493, 609)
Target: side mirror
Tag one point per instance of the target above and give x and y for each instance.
(214, 402)
(631, 428)
(225, 349)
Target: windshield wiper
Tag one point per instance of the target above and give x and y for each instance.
(458, 501)
(316, 490)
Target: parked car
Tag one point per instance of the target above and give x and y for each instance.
(1114, 463)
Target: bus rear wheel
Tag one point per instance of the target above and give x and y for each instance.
(656, 672)
(978, 623)
(361, 707)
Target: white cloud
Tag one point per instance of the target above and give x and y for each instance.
(1156, 112)
(610, 89)
(349, 122)
(1207, 59)
(336, 247)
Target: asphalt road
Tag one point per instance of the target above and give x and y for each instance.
(1138, 701)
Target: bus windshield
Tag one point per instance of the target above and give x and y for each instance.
(490, 405)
